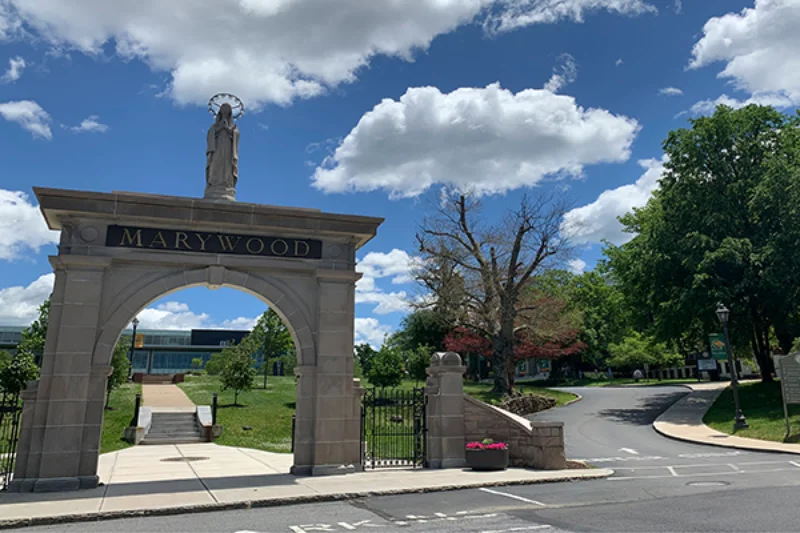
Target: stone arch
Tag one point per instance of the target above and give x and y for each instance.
(147, 289)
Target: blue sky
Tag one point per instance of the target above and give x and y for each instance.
(366, 107)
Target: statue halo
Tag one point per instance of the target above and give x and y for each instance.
(216, 101)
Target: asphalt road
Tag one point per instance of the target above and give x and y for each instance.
(660, 485)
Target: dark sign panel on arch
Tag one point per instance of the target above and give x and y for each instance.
(212, 243)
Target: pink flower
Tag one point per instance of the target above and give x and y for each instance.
(487, 444)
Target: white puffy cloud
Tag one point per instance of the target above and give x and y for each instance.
(15, 67)
(177, 315)
(29, 115)
(19, 305)
(90, 124)
(707, 107)
(564, 73)
(398, 266)
(670, 91)
(576, 266)
(618, 62)
(272, 50)
(485, 140)
(22, 227)
(371, 331)
(597, 221)
(760, 47)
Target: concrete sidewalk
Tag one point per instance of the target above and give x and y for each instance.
(166, 398)
(684, 421)
(174, 479)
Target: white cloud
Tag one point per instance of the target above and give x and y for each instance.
(90, 125)
(678, 6)
(618, 62)
(485, 140)
(177, 315)
(15, 67)
(29, 115)
(564, 73)
(670, 91)
(576, 266)
(760, 47)
(707, 107)
(371, 331)
(273, 51)
(22, 227)
(19, 306)
(597, 221)
(398, 266)
(519, 13)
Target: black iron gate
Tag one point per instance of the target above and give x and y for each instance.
(10, 414)
(393, 429)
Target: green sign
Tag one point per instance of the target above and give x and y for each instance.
(544, 365)
(718, 351)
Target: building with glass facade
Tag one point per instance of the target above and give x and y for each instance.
(158, 351)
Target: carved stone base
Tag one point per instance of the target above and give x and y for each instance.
(220, 193)
(54, 484)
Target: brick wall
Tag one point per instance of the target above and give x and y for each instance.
(537, 445)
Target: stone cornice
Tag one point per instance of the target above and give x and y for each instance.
(59, 205)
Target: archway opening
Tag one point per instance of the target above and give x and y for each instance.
(192, 344)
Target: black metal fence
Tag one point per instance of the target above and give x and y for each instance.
(393, 429)
(10, 419)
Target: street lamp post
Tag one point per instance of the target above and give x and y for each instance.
(135, 323)
(739, 421)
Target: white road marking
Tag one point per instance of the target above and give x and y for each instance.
(734, 467)
(710, 454)
(519, 528)
(672, 471)
(623, 459)
(629, 450)
(512, 496)
(795, 463)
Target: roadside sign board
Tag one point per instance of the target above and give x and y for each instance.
(718, 351)
(706, 364)
(789, 372)
(138, 342)
(544, 365)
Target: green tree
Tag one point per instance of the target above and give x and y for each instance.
(16, 373)
(215, 364)
(417, 362)
(365, 355)
(197, 363)
(271, 338)
(722, 227)
(120, 368)
(237, 371)
(34, 336)
(5, 359)
(422, 327)
(387, 368)
(637, 350)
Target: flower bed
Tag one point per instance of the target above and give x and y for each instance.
(487, 455)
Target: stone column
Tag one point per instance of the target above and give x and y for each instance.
(334, 423)
(445, 411)
(61, 425)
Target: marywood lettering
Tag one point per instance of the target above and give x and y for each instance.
(198, 241)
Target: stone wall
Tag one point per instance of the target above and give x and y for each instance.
(537, 445)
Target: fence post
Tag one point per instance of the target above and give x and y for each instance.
(294, 424)
(135, 420)
(214, 410)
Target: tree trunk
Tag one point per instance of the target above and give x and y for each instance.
(763, 357)
(236, 397)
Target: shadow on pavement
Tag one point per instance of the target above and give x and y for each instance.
(645, 411)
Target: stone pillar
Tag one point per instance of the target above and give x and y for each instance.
(445, 411)
(328, 410)
(63, 415)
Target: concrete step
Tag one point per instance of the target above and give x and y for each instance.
(174, 428)
(182, 440)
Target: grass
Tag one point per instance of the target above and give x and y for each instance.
(115, 421)
(483, 391)
(267, 411)
(762, 405)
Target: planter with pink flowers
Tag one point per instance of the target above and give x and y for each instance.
(487, 455)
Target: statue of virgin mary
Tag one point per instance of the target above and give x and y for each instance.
(222, 156)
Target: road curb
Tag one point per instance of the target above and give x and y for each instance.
(281, 502)
(657, 426)
(577, 398)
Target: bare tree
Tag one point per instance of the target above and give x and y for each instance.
(482, 270)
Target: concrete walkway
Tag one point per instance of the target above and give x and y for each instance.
(684, 421)
(166, 398)
(185, 478)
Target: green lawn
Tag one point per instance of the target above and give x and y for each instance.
(483, 391)
(119, 417)
(762, 406)
(267, 411)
